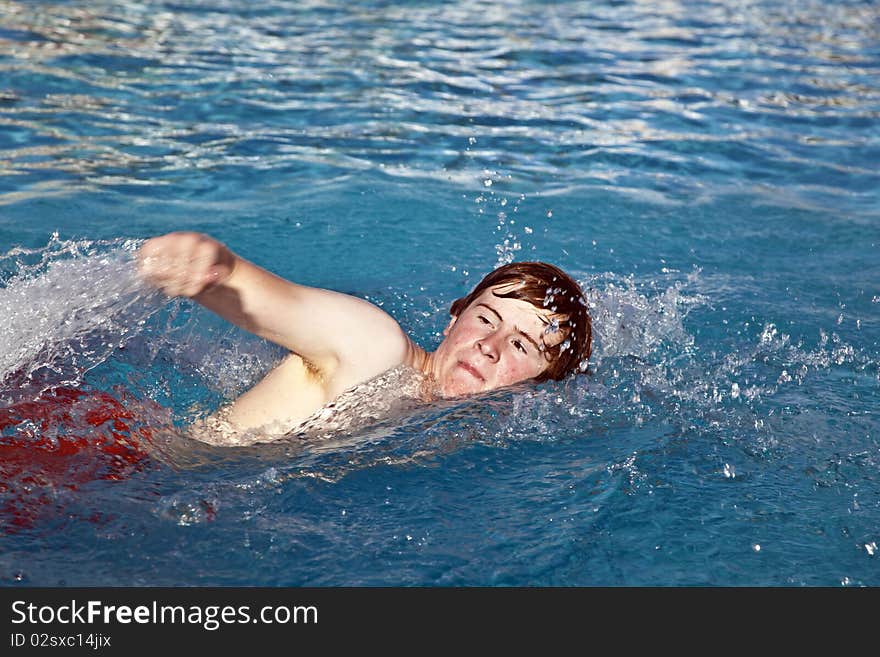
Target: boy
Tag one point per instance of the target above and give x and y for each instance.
(526, 320)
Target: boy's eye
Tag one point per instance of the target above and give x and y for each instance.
(483, 319)
(519, 345)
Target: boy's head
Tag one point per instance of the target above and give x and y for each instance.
(525, 320)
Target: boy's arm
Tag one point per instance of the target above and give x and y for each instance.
(344, 338)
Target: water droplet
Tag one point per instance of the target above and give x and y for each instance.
(549, 213)
(756, 547)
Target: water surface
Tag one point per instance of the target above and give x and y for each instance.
(707, 170)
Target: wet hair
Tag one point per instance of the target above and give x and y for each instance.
(546, 287)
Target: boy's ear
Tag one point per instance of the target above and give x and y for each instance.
(449, 325)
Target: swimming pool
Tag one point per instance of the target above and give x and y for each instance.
(706, 169)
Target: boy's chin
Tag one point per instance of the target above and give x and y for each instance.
(458, 388)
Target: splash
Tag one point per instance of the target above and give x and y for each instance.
(636, 320)
(67, 307)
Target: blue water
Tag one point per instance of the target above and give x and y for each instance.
(707, 169)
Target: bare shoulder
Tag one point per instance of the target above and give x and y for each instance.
(371, 342)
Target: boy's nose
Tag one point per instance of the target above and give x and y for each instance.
(488, 348)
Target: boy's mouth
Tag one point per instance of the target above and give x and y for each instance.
(470, 369)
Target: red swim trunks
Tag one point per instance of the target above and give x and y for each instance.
(62, 439)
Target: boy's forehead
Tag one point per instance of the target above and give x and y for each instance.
(492, 295)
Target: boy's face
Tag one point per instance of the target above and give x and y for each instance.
(494, 342)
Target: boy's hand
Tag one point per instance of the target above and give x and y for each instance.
(185, 264)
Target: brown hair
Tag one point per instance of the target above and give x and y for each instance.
(545, 286)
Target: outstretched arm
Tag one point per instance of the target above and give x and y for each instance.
(345, 339)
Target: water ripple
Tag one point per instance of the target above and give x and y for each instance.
(675, 98)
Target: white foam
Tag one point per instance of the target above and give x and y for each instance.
(69, 305)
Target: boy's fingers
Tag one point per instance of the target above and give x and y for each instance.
(180, 272)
